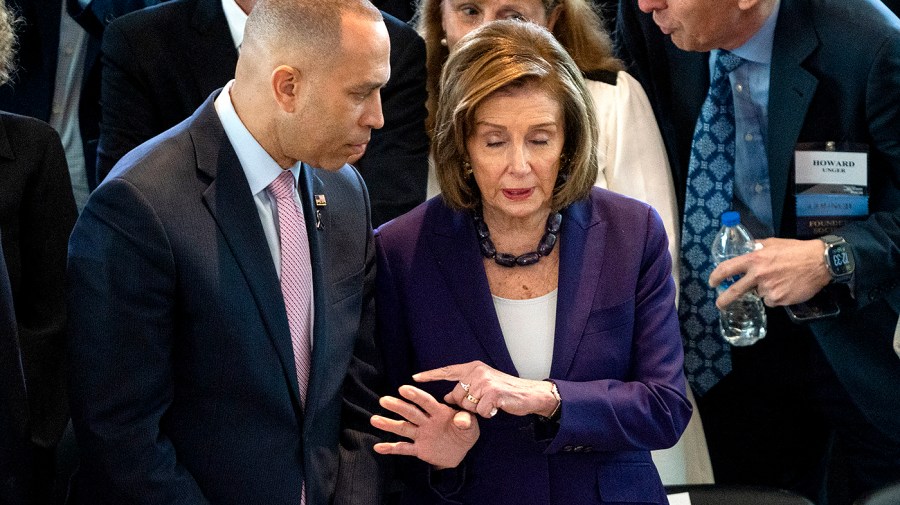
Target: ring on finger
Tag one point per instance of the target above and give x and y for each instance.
(464, 385)
(472, 399)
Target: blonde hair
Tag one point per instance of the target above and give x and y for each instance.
(579, 29)
(499, 56)
(8, 23)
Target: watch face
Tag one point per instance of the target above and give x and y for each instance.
(840, 260)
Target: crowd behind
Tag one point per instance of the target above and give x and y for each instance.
(444, 251)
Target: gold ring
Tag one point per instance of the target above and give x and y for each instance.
(465, 386)
(472, 399)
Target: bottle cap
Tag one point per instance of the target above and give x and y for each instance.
(731, 218)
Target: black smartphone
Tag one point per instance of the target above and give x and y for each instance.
(820, 306)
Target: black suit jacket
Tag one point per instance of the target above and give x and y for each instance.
(30, 92)
(14, 453)
(37, 212)
(835, 72)
(183, 381)
(161, 63)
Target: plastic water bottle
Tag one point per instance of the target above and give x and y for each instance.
(743, 322)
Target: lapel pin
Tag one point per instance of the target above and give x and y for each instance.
(320, 201)
(319, 225)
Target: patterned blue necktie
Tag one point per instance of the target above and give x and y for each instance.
(709, 192)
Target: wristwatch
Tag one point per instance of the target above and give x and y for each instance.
(838, 258)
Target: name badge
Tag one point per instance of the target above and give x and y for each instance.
(831, 182)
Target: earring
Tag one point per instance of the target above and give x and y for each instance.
(444, 41)
(467, 169)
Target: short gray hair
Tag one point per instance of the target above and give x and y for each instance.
(314, 25)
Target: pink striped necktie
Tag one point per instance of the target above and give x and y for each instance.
(296, 279)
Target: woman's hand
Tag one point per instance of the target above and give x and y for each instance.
(485, 391)
(439, 434)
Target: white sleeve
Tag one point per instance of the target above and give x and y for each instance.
(633, 159)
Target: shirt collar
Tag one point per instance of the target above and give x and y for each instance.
(236, 18)
(759, 48)
(260, 168)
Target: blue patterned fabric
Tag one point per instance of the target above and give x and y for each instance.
(709, 193)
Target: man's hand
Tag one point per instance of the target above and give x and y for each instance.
(784, 272)
(439, 434)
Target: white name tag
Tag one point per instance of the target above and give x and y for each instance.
(831, 167)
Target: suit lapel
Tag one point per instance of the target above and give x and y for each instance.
(213, 47)
(791, 91)
(460, 262)
(581, 248)
(229, 201)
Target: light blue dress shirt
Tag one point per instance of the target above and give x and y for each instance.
(750, 88)
(261, 170)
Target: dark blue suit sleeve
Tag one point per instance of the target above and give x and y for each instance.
(876, 241)
(122, 282)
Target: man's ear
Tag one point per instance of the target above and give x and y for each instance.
(286, 84)
(746, 5)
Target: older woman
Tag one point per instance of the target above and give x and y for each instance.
(530, 300)
(631, 155)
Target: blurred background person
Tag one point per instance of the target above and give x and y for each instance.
(161, 63)
(630, 150)
(37, 213)
(58, 75)
(526, 296)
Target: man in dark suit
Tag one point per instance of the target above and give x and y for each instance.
(37, 212)
(15, 458)
(208, 356)
(33, 90)
(816, 71)
(161, 63)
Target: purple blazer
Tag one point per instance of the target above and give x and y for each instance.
(617, 355)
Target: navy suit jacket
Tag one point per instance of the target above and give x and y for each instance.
(159, 65)
(617, 356)
(183, 382)
(835, 74)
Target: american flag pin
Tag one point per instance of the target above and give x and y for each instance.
(320, 201)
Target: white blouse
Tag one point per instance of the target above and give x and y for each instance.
(528, 328)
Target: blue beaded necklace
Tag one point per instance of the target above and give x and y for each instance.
(544, 248)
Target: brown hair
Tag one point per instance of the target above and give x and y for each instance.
(495, 57)
(579, 29)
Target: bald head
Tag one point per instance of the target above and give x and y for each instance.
(307, 28)
(308, 78)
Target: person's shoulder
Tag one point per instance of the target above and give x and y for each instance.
(144, 24)
(406, 229)
(24, 127)
(613, 206)
(847, 24)
(398, 28)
